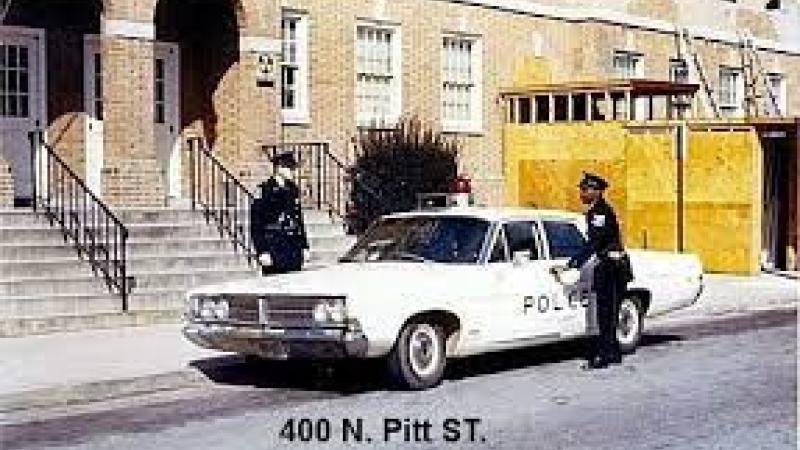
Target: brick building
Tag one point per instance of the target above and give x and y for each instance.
(119, 84)
(118, 87)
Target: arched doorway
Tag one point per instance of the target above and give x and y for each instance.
(196, 51)
(41, 81)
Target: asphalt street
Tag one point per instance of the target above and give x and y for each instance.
(724, 383)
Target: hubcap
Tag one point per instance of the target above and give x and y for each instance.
(424, 351)
(628, 322)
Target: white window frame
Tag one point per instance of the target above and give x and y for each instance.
(733, 105)
(366, 120)
(780, 93)
(474, 122)
(679, 63)
(635, 58)
(300, 113)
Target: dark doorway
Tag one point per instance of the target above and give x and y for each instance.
(207, 33)
(778, 158)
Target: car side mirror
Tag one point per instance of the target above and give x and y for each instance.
(520, 258)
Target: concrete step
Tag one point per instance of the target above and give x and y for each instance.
(182, 230)
(63, 267)
(171, 215)
(330, 243)
(141, 247)
(56, 324)
(36, 250)
(88, 284)
(17, 307)
(157, 215)
(19, 217)
(40, 232)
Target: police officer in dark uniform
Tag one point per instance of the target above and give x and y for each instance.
(276, 220)
(612, 272)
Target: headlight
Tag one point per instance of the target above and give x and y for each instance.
(210, 308)
(330, 311)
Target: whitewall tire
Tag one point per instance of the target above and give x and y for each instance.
(630, 324)
(418, 358)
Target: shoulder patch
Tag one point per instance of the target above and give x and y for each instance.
(598, 220)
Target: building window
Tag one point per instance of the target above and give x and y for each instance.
(294, 68)
(378, 89)
(14, 81)
(160, 93)
(776, 96)
(97, 87)
(628, 64)
(461, 83)
(731, 91)
(678, 70)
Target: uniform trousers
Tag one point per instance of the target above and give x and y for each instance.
(609, 286)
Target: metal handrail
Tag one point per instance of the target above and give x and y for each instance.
(222, 198)
(94, 230)
(330, 185)
(320, 175)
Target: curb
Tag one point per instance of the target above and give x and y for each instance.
(97, 391)
(667, 320)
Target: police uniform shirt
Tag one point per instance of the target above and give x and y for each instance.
(282, 212)
(603, 233)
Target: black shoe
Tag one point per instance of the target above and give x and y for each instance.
(596, 363)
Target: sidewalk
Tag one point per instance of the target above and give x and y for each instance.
(68, 367)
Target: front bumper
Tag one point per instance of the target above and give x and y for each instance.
(279, 343)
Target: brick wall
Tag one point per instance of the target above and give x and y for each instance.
(241, 116)
(573, 50)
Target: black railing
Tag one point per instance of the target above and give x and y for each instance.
(320, 175)
(96, 233)
(221, 197)
(330, 185)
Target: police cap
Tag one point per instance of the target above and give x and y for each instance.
(284, 158)
(592, 181)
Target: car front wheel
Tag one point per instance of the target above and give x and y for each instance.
(629, 327)
(418, 358)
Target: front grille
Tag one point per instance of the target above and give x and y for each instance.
(243, 308)
(279, 311)
(289, 311)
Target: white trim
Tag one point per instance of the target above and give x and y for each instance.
(734, 109)
(781, 94)
(602, 15)
(301, 113)
(128, 29)
(475, 124)
(396, 106)
(93, 126)
(259, 44)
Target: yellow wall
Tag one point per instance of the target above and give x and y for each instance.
(543, 163)
(723, 198)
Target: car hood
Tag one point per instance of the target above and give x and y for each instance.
(352, 279)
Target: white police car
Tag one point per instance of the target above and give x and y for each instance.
(422, 287)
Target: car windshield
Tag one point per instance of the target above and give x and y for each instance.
(421, 239)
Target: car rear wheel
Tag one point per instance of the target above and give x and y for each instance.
(630, 325)
(418, 358)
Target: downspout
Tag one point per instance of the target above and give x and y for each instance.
(681, 131)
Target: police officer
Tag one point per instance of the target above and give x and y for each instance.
(276, 220)
(612, 272)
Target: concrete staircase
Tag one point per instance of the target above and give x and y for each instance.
(45, 288)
